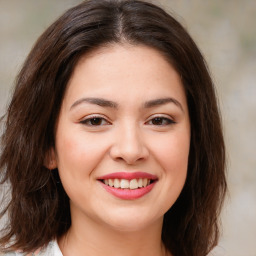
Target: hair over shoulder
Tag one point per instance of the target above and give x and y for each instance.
(39, 207)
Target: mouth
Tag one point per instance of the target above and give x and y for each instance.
(128, 186)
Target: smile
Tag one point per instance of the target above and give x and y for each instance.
(128, 186)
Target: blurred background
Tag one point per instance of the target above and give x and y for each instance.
(225, 31)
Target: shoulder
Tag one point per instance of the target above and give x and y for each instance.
(52, 249)
(10, 254)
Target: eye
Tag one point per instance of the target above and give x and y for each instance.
(95, 121)
(160, 121)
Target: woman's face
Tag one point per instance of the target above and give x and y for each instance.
(122, 138)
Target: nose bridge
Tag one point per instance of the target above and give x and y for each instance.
(129, 143)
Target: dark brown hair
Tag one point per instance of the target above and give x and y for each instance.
(39, 208)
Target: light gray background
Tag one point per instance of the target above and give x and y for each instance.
(225, 31)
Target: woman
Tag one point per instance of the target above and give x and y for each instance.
(113, 142)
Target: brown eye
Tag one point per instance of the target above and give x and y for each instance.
(160, 121)
(95, 121)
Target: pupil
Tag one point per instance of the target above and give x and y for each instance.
(96, 121)
(157, 121)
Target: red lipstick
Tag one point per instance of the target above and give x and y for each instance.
(128, 193)
(128, 176)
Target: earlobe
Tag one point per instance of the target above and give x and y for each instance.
(50, 161)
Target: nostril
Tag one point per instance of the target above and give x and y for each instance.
(129, 149)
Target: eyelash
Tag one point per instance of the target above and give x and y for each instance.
(167, 121)
(99, 120)
(88, 121)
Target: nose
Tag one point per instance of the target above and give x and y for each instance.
(129, 145)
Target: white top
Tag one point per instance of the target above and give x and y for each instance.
(52, 249)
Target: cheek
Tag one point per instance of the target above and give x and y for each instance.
(78, 154)
(172, 152)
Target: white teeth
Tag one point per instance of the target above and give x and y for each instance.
(124, 183)
(111, 183)
(127, 184)
(140, 183)
(133, 184)
(116, 183)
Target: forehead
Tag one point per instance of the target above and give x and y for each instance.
(120, 70)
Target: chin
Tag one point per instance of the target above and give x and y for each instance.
(132, 221)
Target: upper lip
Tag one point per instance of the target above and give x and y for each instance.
(128, 176)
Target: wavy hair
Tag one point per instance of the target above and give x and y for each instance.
(39, 207)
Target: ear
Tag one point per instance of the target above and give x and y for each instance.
(50, 161)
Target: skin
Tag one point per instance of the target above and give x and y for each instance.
(124, 137)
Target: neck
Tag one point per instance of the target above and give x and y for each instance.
(96, 239)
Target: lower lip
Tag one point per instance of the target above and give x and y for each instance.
(129, 194)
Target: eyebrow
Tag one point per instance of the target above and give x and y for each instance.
(96, 101)
(111, 104)
(163, 101)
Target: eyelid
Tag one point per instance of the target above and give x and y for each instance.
(168, 118)
(94, 116)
